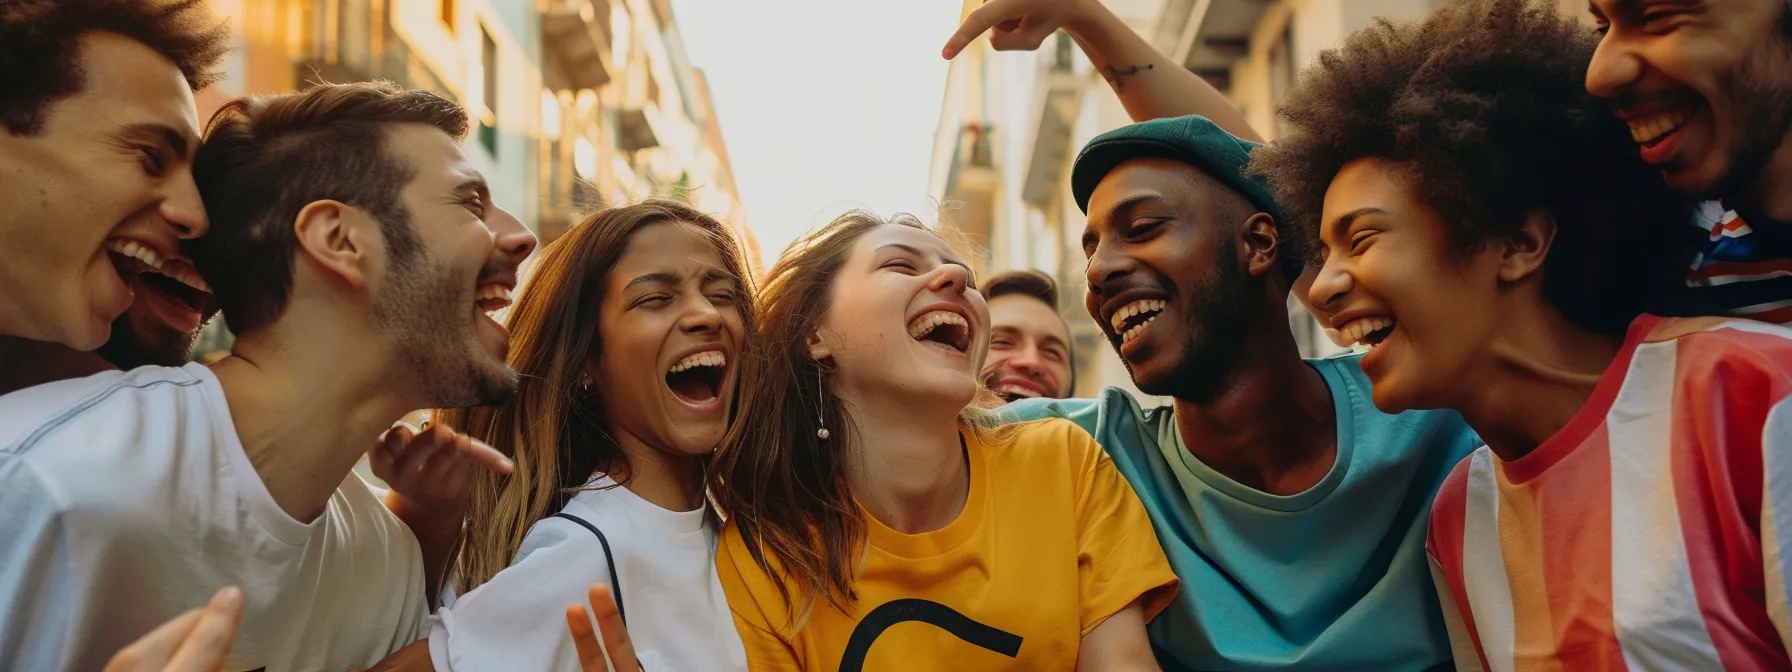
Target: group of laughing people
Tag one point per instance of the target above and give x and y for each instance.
(1562, 250)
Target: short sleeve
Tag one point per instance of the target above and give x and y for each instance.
(1119, 559)
(752, 600)
(517, 620)
(35, 588)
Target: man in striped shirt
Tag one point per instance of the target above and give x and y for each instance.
(1490, 232)
(1706, 89)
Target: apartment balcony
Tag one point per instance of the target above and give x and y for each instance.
(973, 187)
(637, 128)
(1214, 35)
(575, 36)
(1056, 100)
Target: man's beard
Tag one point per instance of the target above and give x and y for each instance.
(159, 346)
(423, 307)
(1761, 91)
(1216, 333)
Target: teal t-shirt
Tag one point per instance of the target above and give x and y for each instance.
(1334, 578)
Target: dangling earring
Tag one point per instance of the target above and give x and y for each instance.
(821, 414)
(585, 384)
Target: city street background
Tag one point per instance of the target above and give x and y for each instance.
(776, 115)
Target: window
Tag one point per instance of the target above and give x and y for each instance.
(488, 80)
(446, 13)
(1063, 52)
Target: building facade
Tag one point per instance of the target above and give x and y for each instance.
(576, 103)
(1012, 122)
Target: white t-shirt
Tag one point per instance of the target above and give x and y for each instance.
(126, 499)
(671, 596)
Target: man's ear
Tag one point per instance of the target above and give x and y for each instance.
(1524, 251)
(329, 236)
(1260, 245)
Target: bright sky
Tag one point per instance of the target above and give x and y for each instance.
(825, 105)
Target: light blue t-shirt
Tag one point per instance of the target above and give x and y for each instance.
(1334, 578)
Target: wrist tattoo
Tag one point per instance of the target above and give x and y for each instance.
(1115, 75)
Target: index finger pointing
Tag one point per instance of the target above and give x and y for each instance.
(483, 454)
(976, 23)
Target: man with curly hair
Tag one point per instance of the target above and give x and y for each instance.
(1705, 87)
(1489, 231)
(95, 162)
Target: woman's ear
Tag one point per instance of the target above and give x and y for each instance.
(818, 346)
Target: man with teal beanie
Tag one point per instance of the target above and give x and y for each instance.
(1293, 511)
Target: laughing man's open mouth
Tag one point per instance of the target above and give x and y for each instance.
(1130, 320)
(173, 278)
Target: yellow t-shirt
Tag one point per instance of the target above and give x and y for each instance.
(1051, 542)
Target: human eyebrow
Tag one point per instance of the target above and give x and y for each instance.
(658, 278)
(1343, 222)
(170, 138)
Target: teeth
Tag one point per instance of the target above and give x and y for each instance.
(136, 251)
(1135, 309)
(1136, 330)
(710, 358)
(492, 291)
(1017, 390)
(1355, 331)
(1652, 128)
(928, 321)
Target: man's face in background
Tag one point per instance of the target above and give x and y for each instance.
(1029, 349)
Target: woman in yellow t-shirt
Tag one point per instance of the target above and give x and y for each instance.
(878, 521)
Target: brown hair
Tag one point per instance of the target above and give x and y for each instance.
(1027, 282)
(264, 159)
(40, 47)
(785, 489)
(554, 430)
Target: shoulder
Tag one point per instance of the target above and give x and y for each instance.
(1741, 338)
(123, 399)
(1449, 508)
(752, 593)
(1098, 416)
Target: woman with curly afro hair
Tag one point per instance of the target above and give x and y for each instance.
(1487, 228)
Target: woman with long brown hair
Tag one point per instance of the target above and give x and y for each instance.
(625, 337)
(865, 491)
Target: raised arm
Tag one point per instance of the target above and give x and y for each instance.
(1149, 85)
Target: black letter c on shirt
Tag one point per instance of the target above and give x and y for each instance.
(946, 618)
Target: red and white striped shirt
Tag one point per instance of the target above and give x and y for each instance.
(1651, 532)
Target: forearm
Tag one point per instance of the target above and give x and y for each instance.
(1149, 84)
(437, 532)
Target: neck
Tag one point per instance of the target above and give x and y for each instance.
(1272, 427)
(907, 468)
(1540, 371)
(1771, 192)
(306, 415)
(25, 363)
(669, 480)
